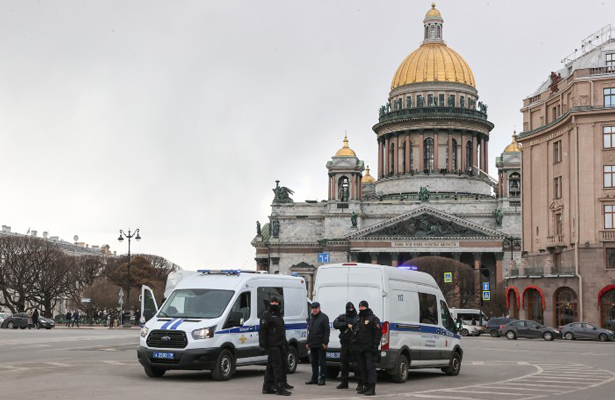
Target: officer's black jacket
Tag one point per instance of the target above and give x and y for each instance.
(369, 332)
(341, 323)
(318, 330)
(272, 332)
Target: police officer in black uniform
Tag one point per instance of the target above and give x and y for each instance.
(346, 323)
(272, 340)
(368, 335)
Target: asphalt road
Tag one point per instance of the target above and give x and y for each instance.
(101, 364)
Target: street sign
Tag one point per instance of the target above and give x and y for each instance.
(323, 258)
(86, 300)
(448, 277)
(121, 293)
(486, 295)
(485, 286)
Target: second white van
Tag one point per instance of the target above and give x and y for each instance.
(417, 328)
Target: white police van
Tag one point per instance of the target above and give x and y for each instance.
(210, 321)
(417, 328)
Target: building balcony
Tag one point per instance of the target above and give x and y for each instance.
(434, 111)
(607, 236)
(555, 241)
(542, 272)
(610, 70)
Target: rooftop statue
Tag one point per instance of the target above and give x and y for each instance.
(258, 228)
(424, 194)
(499, 216)
(282, 194)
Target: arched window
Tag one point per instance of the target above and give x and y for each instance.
(468, 165)
(343, 189)
(454, 165)
(514, 185)
(428, 155)
(607, 309)
(565, 306)
(513, 304)
(392, 159)
(533, 304)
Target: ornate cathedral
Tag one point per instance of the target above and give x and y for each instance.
(433, 194)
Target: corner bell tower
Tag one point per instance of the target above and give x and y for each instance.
(345, 174)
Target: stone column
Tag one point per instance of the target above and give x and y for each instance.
(394, 259)
(499, 270)
(330, 179)
(481, 141)
(463, 151)
(386, 156)
(474, 152)
(374, 257)
(380, 159)
(420, 160)
(487, 154)
(396, 156)
(477, 260)
(449, 166)
(505, 184)
(408, 166)
(436, 166)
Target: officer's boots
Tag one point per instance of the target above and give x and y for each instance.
(359, 386)
(283, 392)
(363, 389)
(343, 385)
(371, 390)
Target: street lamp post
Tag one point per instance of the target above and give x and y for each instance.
(128, 236)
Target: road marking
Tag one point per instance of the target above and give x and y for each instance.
(58, 364)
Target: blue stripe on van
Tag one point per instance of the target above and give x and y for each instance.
(176, 324)
(431, 329)
(166, 324)
(243, 329)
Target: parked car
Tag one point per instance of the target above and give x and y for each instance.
(46, 323)
(470, 330)
(528, 329)
(583, 330)
(19, 320)
(3, 316)
(494, 324)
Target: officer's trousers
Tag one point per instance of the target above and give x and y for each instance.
(275, 374)
(346, 358)
(367, 365)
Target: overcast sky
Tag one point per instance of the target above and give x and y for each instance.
(177, 117)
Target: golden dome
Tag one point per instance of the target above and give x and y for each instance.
(345, 151)
(433, 62)
(433, 12)
(368, 178)
(514, 146)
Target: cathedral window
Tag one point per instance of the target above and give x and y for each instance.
(468, 165)
(428, 159)
(441, 100)
(439, 34)
(430, 102)
(343, 189)
(419, 100)
(392, 159)
(411, 156)
(454, 164)
(462, 101)
(426, 31)
(433, 32)
(408, 102)
(402, 156)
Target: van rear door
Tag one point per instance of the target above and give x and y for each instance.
(149, 307)
(365, 283)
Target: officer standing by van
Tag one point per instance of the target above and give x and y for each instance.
(346, 323)
(368, 335)
(317, 343)
(272, 338)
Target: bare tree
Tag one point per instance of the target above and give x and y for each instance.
(163, 267)
(462, 291)
(55, 278)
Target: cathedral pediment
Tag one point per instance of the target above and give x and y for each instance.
(426, 222)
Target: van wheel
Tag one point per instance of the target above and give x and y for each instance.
(332, 372)
(225, 366)
(511, 335)
(400, 372)
(291, 360)
(495, 333)
(153, 372)
(464, 332)
(454, 365)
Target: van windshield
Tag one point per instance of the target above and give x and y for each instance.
(196, 303)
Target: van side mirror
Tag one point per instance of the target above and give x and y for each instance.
(235, 318)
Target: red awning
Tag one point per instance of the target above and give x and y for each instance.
(604, 290)
(542, 295)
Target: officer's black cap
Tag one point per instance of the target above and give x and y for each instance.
(363, 303)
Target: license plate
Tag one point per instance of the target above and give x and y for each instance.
(332, 354)
(168, 356)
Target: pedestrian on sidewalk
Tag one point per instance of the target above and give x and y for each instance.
(76, 318)
(68, 317)
(35, 318)
(30, 323)
(317, 343)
